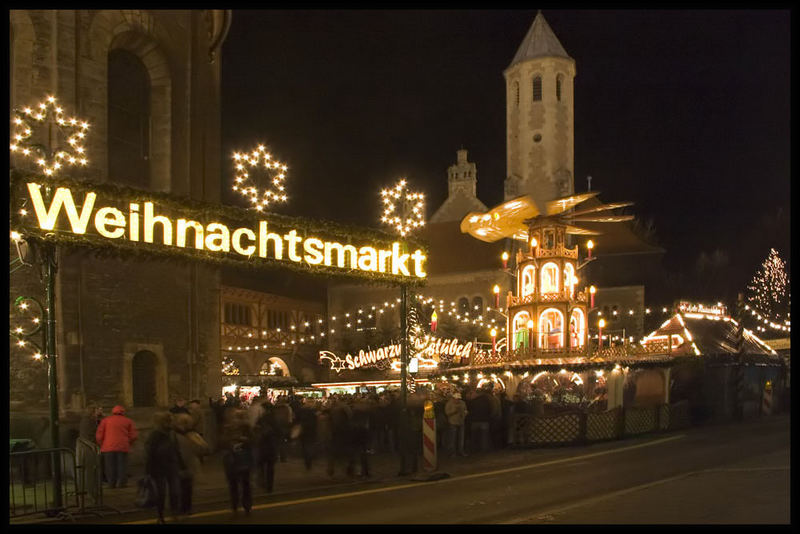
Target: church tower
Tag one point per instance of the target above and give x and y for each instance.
(539, 117)
(461, 195)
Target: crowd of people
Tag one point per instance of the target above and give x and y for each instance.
(341, 431)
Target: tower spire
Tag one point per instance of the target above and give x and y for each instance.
(540, 41)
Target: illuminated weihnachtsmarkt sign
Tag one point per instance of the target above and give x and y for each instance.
(427, 350)
(111, 217)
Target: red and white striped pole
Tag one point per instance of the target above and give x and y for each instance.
(429, 438)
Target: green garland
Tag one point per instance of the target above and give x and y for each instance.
(200, 211)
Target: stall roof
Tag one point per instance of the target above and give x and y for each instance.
(702, 333)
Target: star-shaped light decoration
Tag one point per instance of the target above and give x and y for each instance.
(49, 158)
(259, 193)
(402, 208)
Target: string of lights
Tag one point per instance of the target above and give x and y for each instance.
(403, 209)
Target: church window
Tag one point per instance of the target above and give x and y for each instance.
(537, 88)
(559, 79)
(477, 305)
(128, 119)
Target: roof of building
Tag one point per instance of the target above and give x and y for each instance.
(709, 334)
(455, 206)
(540, 41)
(452, 252)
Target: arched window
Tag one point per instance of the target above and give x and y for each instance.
(463, 306)
(528, 280)
(569, 279)
(516, 94)
(477, 305)
(549, 282)
(144, 378)
(128, 119)
(559, 80)
(521, 337)
(551, 329)
(577, 328)
(537, 88)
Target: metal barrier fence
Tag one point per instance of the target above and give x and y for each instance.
(31, 488)
(584, 427)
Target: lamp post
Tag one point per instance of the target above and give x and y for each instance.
(496, 291)
(600, 325)
(405, 211)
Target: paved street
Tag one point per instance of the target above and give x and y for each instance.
(734, 473)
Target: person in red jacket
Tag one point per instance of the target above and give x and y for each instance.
(115, 434)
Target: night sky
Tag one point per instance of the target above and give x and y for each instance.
(686, 113)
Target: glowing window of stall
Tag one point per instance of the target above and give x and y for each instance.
(551, 329)
(528, 280)
(577, 326)
(549, 278)
(521, 336)
(569, 279)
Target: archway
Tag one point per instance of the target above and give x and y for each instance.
(551, 329)
(521, 335)
(549, 282)
(577, 328)
(528, 280)
(274, 366)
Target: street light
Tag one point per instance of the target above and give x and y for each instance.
(496, 291)
(600, 324)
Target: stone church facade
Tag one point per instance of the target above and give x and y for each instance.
(136, 332)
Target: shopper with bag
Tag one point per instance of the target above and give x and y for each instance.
(162, 466)
(191, 447)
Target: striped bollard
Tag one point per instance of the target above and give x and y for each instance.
(766, 399)
(429, 438)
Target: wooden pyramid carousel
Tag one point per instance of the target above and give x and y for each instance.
(548, 316)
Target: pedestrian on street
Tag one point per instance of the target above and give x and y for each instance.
(265, 447)
(237, 459)
(284, 418)
(162, 463)
(307, 418)
(341, 443)
(456, 410)
(115, 435)
(360, 433)
(480, 410)
(191, 447)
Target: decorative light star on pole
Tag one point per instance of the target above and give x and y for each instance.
(403, 209)
(48, 157)
(262, 192)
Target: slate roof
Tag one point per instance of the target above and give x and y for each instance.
(540, 41)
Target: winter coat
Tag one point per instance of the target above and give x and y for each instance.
(456, 410)
(480, 409)
(191, 449)
(116, 433)
(161, 454)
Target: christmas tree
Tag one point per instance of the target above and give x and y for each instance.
(768, 292)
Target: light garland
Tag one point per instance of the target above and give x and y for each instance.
(49, 160)
(259, 197)
(403, 209)
(31, 314)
